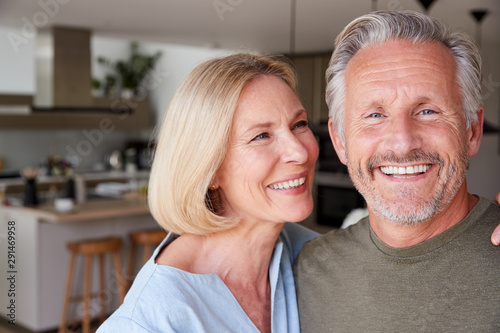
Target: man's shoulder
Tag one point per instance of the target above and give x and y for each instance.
(481, 222)
(484, 216)
(493, 210)
(338, 239)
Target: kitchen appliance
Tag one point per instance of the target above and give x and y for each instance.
(335, 203)
(337, 196)
(115, 160)
(139, 154)
(63, 72)
(327, 159)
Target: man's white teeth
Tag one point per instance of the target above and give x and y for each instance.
(394, 170)
(288, 184)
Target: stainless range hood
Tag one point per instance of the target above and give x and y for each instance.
(63, 69)
(63, 98)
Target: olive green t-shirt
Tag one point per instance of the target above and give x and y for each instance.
(350, 281)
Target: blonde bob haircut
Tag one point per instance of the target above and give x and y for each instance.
(193, 138)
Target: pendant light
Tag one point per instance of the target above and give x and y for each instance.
(426, 4)
(479, 15)
(293, 18)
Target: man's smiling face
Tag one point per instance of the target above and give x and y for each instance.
(406, 143)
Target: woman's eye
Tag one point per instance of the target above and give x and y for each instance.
(375, 115)
(302, 123)
(261, 136)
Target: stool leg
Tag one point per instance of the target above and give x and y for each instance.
(102, 288)
(130, 268)
(69, 280)
(86, 294)
(118, 274)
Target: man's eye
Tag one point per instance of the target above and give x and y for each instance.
(426, 111)
(261, 136)
(375, 115)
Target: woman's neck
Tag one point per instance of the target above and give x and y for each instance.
(242, 253)
(240, 257)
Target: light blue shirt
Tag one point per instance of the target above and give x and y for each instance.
(166, 299)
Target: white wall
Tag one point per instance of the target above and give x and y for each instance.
(483, 177)
(17, 62)
(21, 148)
(484, 174)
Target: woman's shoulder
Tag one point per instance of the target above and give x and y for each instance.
(295, 235)
(140, 304)
(181, 252)
(123, 324)
(157, 299)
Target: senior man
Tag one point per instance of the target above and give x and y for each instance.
(405, 116)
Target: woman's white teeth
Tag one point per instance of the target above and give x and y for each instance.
(394, 170)
(288, 184)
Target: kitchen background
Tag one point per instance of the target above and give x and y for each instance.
(185, 33)
(19, 78)
(191, 32)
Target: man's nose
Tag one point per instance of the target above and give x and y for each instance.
(402, 136)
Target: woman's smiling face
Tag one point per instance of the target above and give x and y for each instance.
(268, 171)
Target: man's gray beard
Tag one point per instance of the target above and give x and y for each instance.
(420, 211)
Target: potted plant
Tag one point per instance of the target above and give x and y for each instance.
(132, 70)
(96, 87)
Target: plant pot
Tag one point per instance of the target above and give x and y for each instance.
(127, 93)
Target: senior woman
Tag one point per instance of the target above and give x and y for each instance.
(234, 161)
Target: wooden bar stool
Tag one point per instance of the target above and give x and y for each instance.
(89, 249)
(146, 238)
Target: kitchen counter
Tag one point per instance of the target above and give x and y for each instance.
(42, 258)
(86, 176)
(90, 210)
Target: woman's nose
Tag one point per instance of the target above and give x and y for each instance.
(294, 150)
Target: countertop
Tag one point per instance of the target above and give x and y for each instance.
(87, 176)
(91, 210)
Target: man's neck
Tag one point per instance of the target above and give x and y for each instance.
(406, 236)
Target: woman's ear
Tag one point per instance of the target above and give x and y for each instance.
(337, 142)
(214, 184)
(475, 133)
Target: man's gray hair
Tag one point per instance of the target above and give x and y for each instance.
(379, 27)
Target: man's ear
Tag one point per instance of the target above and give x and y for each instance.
(337, 142)
(475, 133)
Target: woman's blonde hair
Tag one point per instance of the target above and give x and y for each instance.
(193, 140)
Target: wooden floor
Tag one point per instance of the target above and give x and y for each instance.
(5, 327)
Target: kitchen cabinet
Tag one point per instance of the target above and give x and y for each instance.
(116, 113)
(311, 84)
